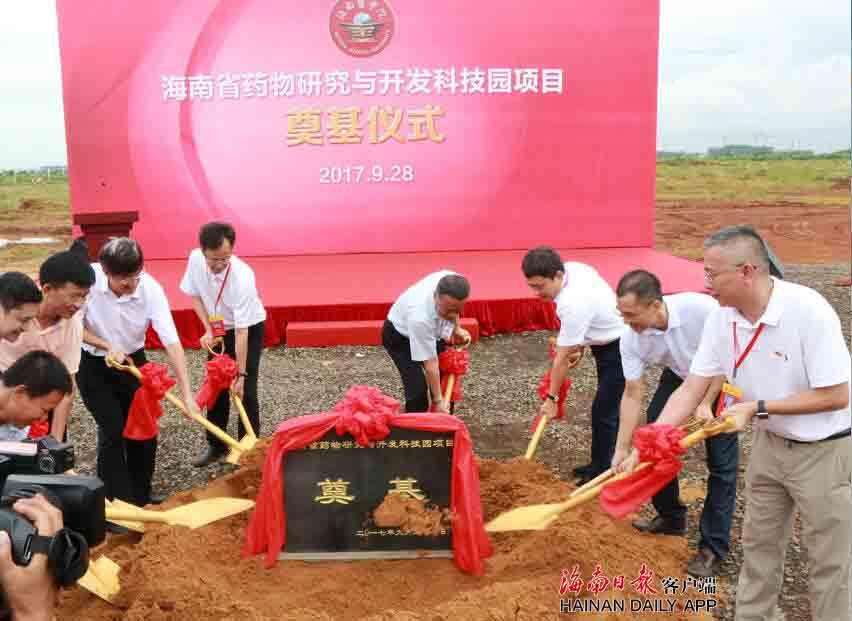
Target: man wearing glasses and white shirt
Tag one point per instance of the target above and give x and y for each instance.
(782, 346)
(225, 298)
(123, 302)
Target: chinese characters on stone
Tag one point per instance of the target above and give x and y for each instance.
(411, 81)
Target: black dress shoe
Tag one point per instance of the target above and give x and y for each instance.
(704, 564)
(209, 456)
(661, 526)
(580, 471)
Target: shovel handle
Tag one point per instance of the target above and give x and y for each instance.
(243, 415)
(542, 423)
(451, 380)
(213, 429)
(136, 515)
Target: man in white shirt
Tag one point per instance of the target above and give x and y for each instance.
(226, 301)
(585, 305)
(123, 302)
(65, 280)
(782, 345)
(418, 326)
(666, 330)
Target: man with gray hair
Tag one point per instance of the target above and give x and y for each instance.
(781, 346)
(419, 323)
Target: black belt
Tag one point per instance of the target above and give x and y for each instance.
(836, 436)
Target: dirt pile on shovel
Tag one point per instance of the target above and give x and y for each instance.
(178, 574)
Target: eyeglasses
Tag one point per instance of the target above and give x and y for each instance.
(709, 276)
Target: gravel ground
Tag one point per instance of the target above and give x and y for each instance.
(498, 407)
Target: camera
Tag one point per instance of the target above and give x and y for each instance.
(44, 455)
(82, 503)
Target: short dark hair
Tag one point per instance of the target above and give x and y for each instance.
(543, 261)
(641, 283)
(213, 234)
(17, 289)
(121, 256)
(65, 267)
(40, 373)
(454, 285)
(752, 240)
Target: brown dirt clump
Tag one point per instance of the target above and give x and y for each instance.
(175, 573)
(411, 515)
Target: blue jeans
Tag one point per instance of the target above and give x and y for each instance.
(723, 456)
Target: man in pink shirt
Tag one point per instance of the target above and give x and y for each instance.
(65, 280)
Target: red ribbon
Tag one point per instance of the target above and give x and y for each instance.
(221, 372)
(658, 444)
(455, 362)
(145, 409)
(364, 413)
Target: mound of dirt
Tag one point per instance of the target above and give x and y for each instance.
(175, 573)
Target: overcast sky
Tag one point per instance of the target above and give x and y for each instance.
(773, 72)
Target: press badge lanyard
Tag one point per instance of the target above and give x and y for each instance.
(217, 322)
(225, 281)
(730, 392)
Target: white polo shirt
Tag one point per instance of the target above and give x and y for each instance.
(124, 320)
(240, 305)
(800, 348)
(586, 308)
(673, 347)
(414, 315)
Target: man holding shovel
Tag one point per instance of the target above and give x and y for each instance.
(666, 330)
(123, 302)
(585, 305)
(226, 301)
(418, 326)
(781, 345)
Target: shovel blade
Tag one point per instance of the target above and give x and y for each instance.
(204, 512)
(534, 517)
(102, 579)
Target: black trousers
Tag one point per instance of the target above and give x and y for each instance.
(125, 466)
(221, 410)
(411, 371)
(723, 455)
(607, 404)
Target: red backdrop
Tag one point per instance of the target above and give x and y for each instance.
(192, 111)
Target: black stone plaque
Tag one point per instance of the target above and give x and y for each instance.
(332, 487)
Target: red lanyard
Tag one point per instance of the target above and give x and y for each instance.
(747, 349)
(721, 404)
(222, 288)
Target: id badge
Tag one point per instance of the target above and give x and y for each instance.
(732, 394)
(217, 325)
(729, 396)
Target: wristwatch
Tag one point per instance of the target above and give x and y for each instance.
(761, 413)
(553, 398)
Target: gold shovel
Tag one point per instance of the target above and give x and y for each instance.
(193, 515)
(539, 517)
(102, 579)
(237, 448)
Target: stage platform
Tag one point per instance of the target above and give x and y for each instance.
(361, 287)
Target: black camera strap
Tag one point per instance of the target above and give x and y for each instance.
(67, 555)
